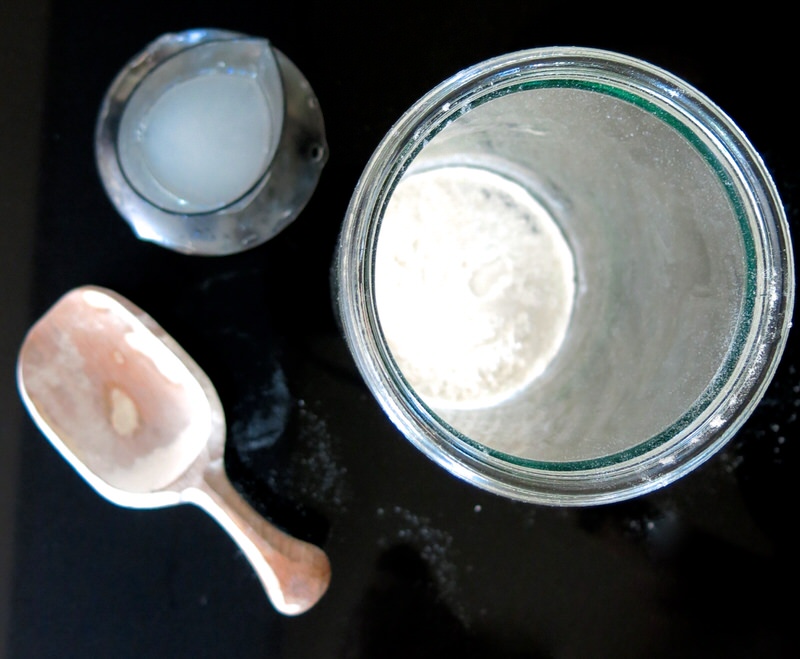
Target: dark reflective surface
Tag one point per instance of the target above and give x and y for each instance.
(423, 564)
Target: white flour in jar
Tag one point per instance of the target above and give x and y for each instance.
(474, 285)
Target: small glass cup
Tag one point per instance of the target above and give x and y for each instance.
(566, 276)
(210, 142)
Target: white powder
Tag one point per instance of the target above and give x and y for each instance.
(474, 285)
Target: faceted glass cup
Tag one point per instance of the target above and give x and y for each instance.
(210, 142)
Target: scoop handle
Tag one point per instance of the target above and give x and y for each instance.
(295, 574)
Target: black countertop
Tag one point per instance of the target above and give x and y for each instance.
(423, 564)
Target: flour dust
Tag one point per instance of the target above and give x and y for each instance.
(475, 285)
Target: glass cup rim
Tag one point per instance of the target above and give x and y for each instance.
(719, 413)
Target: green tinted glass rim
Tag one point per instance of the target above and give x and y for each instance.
(728, 366)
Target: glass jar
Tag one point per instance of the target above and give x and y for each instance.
(566, 276)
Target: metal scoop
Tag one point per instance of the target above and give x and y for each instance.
(143, 425)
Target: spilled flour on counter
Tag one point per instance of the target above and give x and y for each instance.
(434, 546)
(474, 285)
